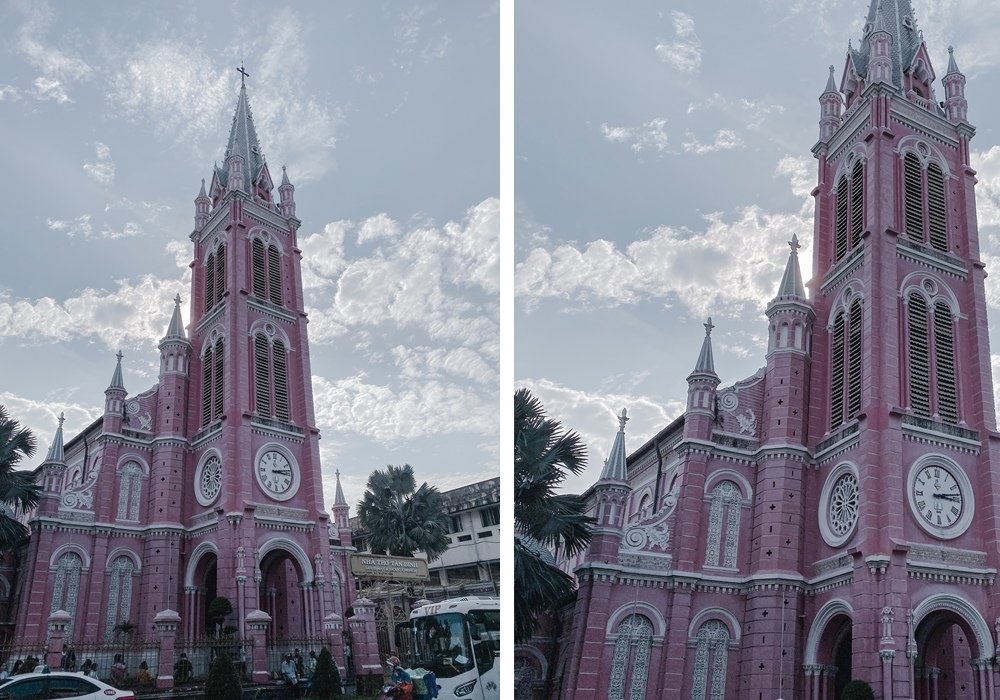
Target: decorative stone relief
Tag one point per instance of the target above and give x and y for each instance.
(748, 422)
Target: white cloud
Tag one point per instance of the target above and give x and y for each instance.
(684, 52)
(103, 170)
(49, 89)
(134, 314)
(731, 266)
(9, 93)
(41, 416)
(80, 226)
(364, 76)
(418, 409)
(650, 136)
(593, 414)
(127, 231)
(751, 112)
(725, 140)
(378, 226)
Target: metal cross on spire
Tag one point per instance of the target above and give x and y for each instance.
(794, 243)
(243, 74)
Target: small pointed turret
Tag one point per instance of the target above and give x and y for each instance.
(706, 361)
(287, 193)
(56, 452)
(791, 282)
(116, 379)
(831, 107)
(176, 328)
(338, 499)
(955, 105)
(880, 67)
(615, 467)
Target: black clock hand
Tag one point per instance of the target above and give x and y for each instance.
(948, 496)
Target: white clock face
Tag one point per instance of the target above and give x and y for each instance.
(275, 474)
(937, 496)
(211, 479)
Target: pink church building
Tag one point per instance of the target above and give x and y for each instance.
(209, 482)
(835, 516)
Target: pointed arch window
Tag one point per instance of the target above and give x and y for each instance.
(711, 661)
(845, 365)
(849, 210)
(215, 277)
(924, 203)
(119, 594)
(266, 271)
(212, 368)
(721, 548)
(270, 378)
(931, 354)
(66, 590)
(129, 491)
(630, 664)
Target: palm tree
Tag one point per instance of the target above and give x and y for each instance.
(18, 490)
(401, 518)
(544, 453)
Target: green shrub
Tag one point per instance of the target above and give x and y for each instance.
(857, 690)
(223, 680)
(326, 677)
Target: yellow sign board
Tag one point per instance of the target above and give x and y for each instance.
(395, 568)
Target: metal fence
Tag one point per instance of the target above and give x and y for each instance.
(278, 648)
(193, 658)
(100, 656)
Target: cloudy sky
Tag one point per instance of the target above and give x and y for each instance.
(386, 115)
(662, 162)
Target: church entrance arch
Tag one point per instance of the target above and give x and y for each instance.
(286, 587)
(829, 650)
(200, 589)
(954, 649)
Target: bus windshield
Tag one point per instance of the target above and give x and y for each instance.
(440, 644)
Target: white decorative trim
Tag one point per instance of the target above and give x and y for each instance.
(622, 613)
(832, 608)
(965, 610)
(853, 291)
(270, 331)
(968, 496)
(730, 475)
(918, 280)
(829, 536)
(199, 552)
(708, 614)
(857, 152)
(924, 151)
(71, 547)
(132, 457)
(124, 552)
(291, 547)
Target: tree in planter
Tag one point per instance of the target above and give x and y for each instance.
(857, 690)
(326, 677)
(223, 680)
(218, 610)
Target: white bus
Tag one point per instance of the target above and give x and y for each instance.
(459, 641)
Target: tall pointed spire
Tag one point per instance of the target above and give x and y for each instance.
(706, 361)
(56, 452)
(116, 379)
(896, 18)
(831, 87)
(338, 498)
(952, 65)
(243, 140)
(615, 466)
(791, 282)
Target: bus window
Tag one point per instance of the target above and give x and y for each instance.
(485, 632)
(441, 645)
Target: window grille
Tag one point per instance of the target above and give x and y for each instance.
(280, 381)
(920, 395)
(217, 405)
(206, 387)
(944, 348)
(274, 274)
(937, 226)
(837, 373)
(66, 590)
(711, 662)
(119, 595)
(635, 636)
(857, 203)
(854, 362)
(262, 375)
(842, 202)
(913, 197)
(220, 273)
(210, 282)
(259, 275)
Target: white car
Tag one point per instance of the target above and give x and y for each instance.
(46, 685)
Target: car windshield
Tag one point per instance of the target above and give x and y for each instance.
(441, 644)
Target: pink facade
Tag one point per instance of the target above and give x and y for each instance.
(208, 483)
(836, 515)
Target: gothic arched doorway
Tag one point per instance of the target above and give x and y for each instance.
(284, 593)
(200, 588)
(945, 654)
(829, 650)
